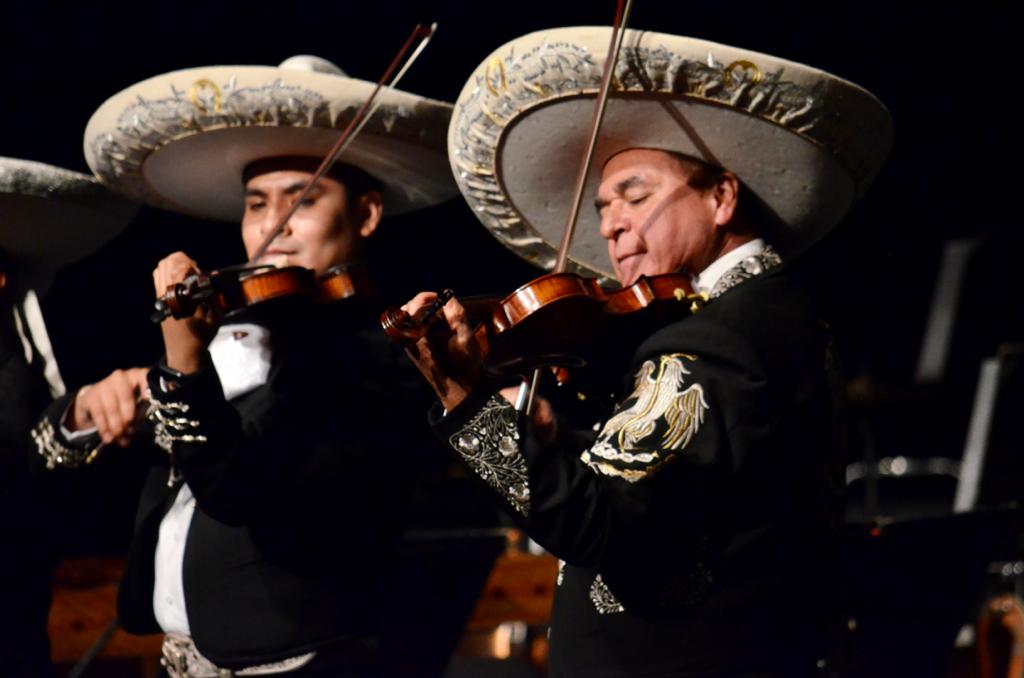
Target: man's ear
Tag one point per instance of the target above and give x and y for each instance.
(726, 193)
(369, 210)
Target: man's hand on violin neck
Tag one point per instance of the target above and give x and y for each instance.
(186, 339)
(111, 405)
(449, 355)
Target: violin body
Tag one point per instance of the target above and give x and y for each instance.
(555, 319)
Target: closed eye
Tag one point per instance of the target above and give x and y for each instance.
(310, 199)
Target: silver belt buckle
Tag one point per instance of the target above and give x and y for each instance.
(182, 659)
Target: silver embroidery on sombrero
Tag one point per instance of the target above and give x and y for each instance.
(489, 443)
(603, 598)
(752, 266)
(659, 417)
(513, 84)
(146, 125)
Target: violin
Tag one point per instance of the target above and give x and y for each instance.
(232, 289)
(551, 320)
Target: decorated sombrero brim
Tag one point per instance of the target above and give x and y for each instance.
(807, 143)
(50, 216)
(182, 140)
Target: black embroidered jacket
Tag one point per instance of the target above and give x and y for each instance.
(301, 486)
(692, 522)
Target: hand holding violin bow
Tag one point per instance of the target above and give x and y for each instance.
(112, 406)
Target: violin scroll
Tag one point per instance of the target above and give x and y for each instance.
(182, 300)
(405, 329)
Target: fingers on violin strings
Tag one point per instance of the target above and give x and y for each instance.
(179, 261)
(162, 279)
(454, 313)
(418, 302)
(172, 269)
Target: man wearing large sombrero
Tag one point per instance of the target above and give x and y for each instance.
(691, 520)
(49, 217)
(263, 535)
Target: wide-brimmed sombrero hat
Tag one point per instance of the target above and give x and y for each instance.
(807, 143)
(50, 216)
(182, 140)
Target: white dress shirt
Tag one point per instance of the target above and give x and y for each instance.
(168, 583)
(241, 355)
(28, 320)
(706, 279)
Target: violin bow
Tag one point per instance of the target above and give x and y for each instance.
(524, 402)
(622, 11)
(423, 34)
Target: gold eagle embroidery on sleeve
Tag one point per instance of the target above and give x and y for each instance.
(659, 406)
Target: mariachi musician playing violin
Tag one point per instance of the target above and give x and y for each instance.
(262, 536)
(691, 521)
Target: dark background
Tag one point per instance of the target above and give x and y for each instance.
(946, 73)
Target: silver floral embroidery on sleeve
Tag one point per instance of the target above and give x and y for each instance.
(603, 598)
(170, 425)
(58, 455)
(489, 444)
